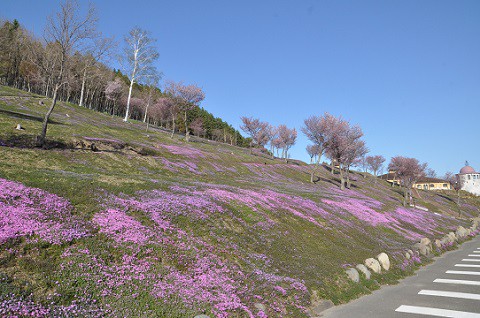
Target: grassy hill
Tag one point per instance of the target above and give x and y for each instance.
(116, 220)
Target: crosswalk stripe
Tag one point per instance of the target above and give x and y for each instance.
(470, 260)
(474, 255)
(467, 265)
(476, 251)
(463, 272)
(438, 312)
(449, 294)
(457, 281)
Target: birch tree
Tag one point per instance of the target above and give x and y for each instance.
(139, 56)
(66, 30)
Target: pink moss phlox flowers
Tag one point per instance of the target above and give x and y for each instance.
(28, 211)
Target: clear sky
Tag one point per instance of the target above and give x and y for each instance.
(407, 72)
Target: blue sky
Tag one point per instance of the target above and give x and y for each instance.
(407, 72)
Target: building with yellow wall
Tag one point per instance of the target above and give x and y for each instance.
(424, 183)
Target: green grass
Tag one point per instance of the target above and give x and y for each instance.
(295, 247)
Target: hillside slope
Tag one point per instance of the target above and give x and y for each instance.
(115, 220)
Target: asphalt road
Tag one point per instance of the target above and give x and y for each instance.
(450, 287)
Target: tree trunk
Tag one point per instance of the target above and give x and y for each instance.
(348, 177)
(405, 195)
(342, 179)
(127, 113)
(146, 111)
(43, 134)
(84, 79)
(186, 127)
(173, 127)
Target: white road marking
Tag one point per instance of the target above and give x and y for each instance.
(467, 265)
(449, 294)
(457, 281)
(474, 255)
(476, 251)
(470, 260)
(463, 272)
(438, 312)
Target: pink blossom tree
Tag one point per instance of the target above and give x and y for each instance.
(343, 145)
(315, 129)
(197, 127)
(187, 97)
(272, 133)
(313, 151)
(374, 163)
(113, 92)
(356, 149)
(165, 106)
(257, 130)
(287, 137)
(408, 171)
(160, 112)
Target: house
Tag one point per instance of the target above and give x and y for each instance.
(424, 183)
(390, 177)
(427, 183)
(469, 179)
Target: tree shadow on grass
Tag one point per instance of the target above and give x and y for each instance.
(28, 117)
(447, 198)
(29, 141)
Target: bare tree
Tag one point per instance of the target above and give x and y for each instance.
(430, 173)
(67, 30)
(100, 48)
(139, 56)
(151, 91)
(455, 182)
(408, 171)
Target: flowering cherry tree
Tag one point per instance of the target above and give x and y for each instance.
(374, 163)
(256, 129)
(343, 145)
(287, 138)
(408, 171)
(187, 97)
(197, 127)
(315, 129)
(113, 92)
